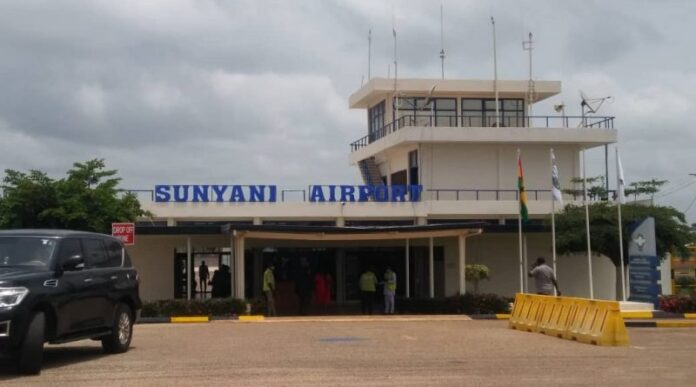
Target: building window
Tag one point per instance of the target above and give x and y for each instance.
(481, 112)
(375, 121)
(413, 167)
(419, 111)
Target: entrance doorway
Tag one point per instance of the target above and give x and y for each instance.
(214, 259)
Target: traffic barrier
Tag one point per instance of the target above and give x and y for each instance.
(588, 321)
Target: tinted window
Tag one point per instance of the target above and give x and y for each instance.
(115, 251)
(95, 253)
(26, 251)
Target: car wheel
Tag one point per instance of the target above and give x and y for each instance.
(31, 349)
(119, 339)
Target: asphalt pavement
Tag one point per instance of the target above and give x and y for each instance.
(376, 352)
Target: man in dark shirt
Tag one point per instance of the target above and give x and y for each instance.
(203, 275)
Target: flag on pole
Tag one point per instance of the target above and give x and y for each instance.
(524, 214)
(621, 195)
(555, 185)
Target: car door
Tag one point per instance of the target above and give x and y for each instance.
(71, 302)
(96, 284)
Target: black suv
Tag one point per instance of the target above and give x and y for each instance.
(59, 286)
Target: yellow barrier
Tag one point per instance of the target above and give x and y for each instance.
(588, 321)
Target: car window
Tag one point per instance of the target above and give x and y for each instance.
(26, 251)
(95, 253)
(68, 248)
(116, 252)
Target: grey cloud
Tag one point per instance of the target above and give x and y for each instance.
(256, 91)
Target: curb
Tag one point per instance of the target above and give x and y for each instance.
(500, 316)
(661, 324)
(645, 315)
(195, 319)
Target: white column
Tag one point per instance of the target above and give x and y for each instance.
(239, 266)
(233, 266)
(408, 272)
(462, 264)
(189, 272)
(431, 269)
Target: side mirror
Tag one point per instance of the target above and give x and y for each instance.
(74, 262)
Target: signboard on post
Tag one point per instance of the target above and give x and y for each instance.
(125, 232)
(643, 263)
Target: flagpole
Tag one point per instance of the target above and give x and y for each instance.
(519, 227)
(619, 193)
(553, 219)
(587, 224)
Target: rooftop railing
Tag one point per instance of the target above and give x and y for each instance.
(477, 121)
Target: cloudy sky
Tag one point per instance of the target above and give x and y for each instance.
(210, 91)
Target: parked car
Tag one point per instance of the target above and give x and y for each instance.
(58, 286)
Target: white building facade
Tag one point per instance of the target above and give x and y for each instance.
(453, 152)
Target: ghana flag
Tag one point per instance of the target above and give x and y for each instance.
(520, 186)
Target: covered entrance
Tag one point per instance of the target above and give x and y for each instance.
(427, 259)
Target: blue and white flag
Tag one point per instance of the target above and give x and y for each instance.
(620, 183)
(555, 185)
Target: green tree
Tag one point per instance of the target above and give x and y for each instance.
(87, 199)
(646, 187)
(671, 230)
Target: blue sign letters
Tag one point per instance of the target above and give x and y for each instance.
(268, 193)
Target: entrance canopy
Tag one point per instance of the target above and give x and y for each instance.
(239, 233)
(334, 233)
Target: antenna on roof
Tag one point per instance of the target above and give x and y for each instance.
(528, 45)
(593, 105)
(442, 40)
(395, 61)
(369, 53)
(495, 76)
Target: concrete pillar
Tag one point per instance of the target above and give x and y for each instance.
(462, 264)
(340, 276)
(171, 222)
(239, 268)
(257, 221)
(189, 272)
(408, 266)
(233, 266)
(431, 268)
(421, 221)
(340, 222)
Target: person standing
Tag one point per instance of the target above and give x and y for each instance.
(203, 276)
(368, 287)
(268, 288)
(544, 278)
(389, 290)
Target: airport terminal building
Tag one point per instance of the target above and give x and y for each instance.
(439, 164)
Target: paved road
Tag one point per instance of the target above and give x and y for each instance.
(443, 352)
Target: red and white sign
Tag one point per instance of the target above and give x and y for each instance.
(125, 232)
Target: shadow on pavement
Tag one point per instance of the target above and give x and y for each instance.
(55, 357)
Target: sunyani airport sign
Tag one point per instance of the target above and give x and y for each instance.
(269, 193)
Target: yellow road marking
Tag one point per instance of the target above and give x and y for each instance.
(189, 319)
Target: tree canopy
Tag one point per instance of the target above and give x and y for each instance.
(671, 230)
(87, 199)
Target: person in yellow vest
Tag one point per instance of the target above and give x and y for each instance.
(368, 288)
(389, 290)
(268, 288)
